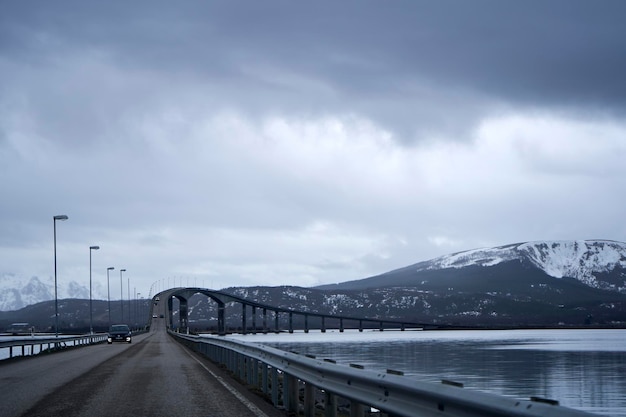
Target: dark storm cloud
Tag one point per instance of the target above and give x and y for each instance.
(267, 141)
(403, 63)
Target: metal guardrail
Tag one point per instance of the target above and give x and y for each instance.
(282, 374)
(31, 346)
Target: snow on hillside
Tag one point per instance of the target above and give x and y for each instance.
(17, 292)
(579, 259)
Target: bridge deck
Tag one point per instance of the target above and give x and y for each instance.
(153, 376)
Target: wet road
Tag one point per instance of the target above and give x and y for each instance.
(153, 376)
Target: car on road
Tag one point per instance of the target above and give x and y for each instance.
(119, 333)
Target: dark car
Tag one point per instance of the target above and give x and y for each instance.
(119, 333)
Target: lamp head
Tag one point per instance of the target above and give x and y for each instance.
(94, 247)
(60, 217)
(110, 268)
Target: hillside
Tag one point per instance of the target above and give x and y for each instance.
(526, 284)
(598, 264)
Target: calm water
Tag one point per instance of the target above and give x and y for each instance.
(583, 369)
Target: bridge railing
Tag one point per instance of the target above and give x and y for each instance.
(283, 375)
(33, 345)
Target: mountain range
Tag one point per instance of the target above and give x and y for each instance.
(18, 292)
(542, 283)
(599, 264)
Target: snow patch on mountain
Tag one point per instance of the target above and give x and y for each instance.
(581, 259)
(18, 292)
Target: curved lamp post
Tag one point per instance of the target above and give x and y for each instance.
(138, 306)
(129, 308)
(109, 293)
(60, 217)
(90, 297)
(122, 294)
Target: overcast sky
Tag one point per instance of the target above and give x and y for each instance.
(249, 143)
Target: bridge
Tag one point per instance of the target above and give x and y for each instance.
(273, 313)
(164, 373)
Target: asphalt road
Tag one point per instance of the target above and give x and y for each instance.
(153, 376)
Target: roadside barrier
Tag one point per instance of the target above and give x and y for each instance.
(30, 346)
(304, 383)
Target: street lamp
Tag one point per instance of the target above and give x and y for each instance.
(109, 293)
(60, 217)
(129, 319)
(122, 294)
(138, 306)
(90, 297)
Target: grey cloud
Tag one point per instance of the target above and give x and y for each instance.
(111, 113)
(410, 65)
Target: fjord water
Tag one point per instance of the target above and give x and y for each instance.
(582, 369)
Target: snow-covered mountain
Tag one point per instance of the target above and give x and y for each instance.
(584, 260)
(598, 264)
(17, 292)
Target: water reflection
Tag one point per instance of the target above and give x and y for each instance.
(581, 369)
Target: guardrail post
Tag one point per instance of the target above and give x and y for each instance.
(250, 374)
(275, 386)
(309, 400)
(356, 409)
(242, 367)
(290, 393)
(330, 404)
(264, 373)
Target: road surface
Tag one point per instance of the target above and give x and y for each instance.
(153, 376)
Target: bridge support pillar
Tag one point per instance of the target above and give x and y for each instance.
(323, 324)
(243, 318)
(221, 322)
(360, 325)
(306, 323)
(290, 322)
(276, 329)
(341, 325)
(183, 312)
(170, 313)
(265, 320)
(253, 320)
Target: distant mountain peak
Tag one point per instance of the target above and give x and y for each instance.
(580, 259)
(17, 292)
(600, 264)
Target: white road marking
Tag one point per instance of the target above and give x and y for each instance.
(256, 410)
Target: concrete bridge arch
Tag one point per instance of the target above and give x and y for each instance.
(183, 295)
